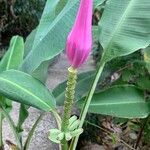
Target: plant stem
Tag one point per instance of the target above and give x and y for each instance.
(12, 125)
(1, 134)
(69, 98)
(30, 134)
(58, 121)
(57, 118)
(141, 132)
(87, 103)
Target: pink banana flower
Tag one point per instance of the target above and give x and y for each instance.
(79, 41)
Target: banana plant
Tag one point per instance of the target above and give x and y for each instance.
(124, 28)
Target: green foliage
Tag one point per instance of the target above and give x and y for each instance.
(37, 36)
(127, 30)
(54, 26)
(14, 55)
(29, 42)
(19, 86)
(11, 60)
(52, 33)
(134, 72)
(23, 114)
(61, 4)
(120, 101)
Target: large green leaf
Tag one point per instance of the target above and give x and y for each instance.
(12, 60)
(21, 87)
(14, 55)
(45, 22)
(144, 82)
(50, 36)
(52, 9)
(40, 32)
(124, 27)
(29, 42)
(60, 6)
(119, 101)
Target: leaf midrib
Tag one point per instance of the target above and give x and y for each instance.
(117, 103)
(28, 92)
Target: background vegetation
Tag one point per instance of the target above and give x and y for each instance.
(18, 17)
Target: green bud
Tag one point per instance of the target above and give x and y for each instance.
(68, 136)
(74, 125)
(76, 132)
(72, 119)
(54, 132)
(54, 140)
(54, 135)
(60, 136)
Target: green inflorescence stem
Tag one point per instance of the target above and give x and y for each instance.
(87, 104)
(69, 99)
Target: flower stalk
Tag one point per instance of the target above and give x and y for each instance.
(69, 99)
(87, 103)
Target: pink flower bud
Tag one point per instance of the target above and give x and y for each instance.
(79, 41)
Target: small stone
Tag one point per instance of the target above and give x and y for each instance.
(133, 136)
